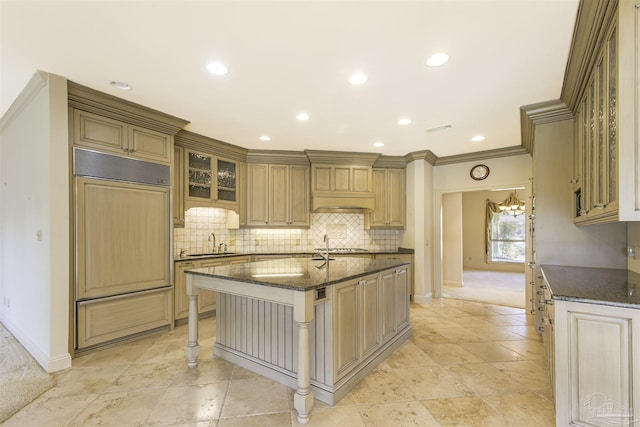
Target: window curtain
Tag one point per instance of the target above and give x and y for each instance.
(492, 208)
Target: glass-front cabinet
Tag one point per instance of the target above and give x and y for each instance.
(595, 182)
(211, 180)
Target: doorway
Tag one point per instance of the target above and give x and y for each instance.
(484, 247)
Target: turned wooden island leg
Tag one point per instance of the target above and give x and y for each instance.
(193, 348)
(303, 315)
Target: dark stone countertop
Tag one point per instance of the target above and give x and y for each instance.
(403, 251)
(605, 286)
(300, 274)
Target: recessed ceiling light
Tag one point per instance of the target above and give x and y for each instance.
(378, 144)
(265, 138)
(357, 78)
(437, 59)
(217, 69)
(121, 85)
(302, 117)
(477, 138)
(403, 122)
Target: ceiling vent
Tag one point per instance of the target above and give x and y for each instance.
(439, 128)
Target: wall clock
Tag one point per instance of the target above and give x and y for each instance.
(479, 172)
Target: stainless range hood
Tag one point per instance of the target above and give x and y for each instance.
(343, 203)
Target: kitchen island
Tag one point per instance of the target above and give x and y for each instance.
(319, 327)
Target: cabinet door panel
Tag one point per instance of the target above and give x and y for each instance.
(342, 179)
(279, 194)
(370, 329)
(258, 195)
(599, 349)
(150, 145)
(322, 178)
(110, 227)
(378, 216)
(299, 195)
(396, 197)
(181, 300)
(346, 327)
(361, 180)
(91, 130)
(388, 324)
(401, 298)
(107, 319)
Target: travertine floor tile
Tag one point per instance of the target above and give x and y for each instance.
(208, 371)
(432, 382)
(449, 354)
(333, 417)
(508, 319)
(531, 374)
(189, 404)
(146, 376)
(492, 352)
(81, 381)
(281, 419)
(53, 411)
(129, 408)
(464, 412)
(458, 335)
(483, 378)
(531, 350)
(523, 409)
(381, 386)
(409, 355)
(255, 397)
(397, 414)
(123, 354)
(473, 321)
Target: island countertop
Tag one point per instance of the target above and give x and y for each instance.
(300, 274)
(605, 286)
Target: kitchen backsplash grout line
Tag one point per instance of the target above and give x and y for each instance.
(201, 222)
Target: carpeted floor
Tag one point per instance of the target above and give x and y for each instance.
(21, 378)
(493, 287)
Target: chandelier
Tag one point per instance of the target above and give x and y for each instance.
(512, 205)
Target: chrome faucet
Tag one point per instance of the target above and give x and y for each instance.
(212, 238)
(326, 242)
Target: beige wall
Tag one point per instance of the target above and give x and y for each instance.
(474, 205)
(557, 240)
(452, 229)
(34, 221)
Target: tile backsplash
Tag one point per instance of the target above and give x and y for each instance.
(344, 230)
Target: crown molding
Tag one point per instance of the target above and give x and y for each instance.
(33, 87)
(540, 113)
(589, 33)
(397, 162)
(94, 101)
(278, 157)
(198, 142)
(426, 155)
(516, 150)
(342, 157)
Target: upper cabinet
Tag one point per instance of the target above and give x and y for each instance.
(105, 123)
(278, 194)
(353, 179)
(602, 90)
(389, 190)
(212, 171)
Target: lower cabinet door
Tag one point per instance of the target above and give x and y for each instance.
(107, 319)
(346, 328)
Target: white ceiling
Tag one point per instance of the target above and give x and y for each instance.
(286, 57)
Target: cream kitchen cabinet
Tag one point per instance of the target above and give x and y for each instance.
(177, 186)
(596, 379)
(348, 179)
(207, 300)
(114, 136)
(278, 195)
(210, 181)
(606, 178)
(389, 191)
(357, 322)
(395, 296)
(402, 257)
